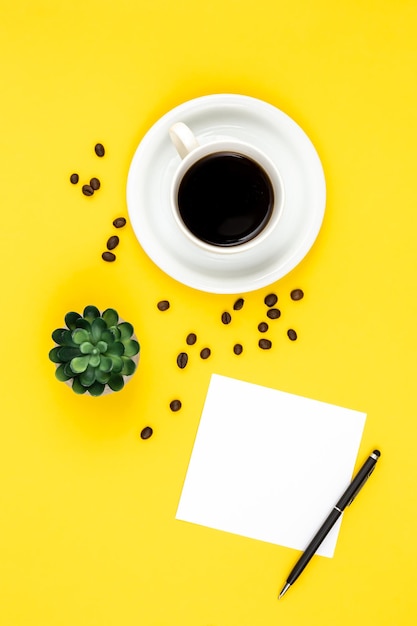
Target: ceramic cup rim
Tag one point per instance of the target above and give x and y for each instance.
(245, 149)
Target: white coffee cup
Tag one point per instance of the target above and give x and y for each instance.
(226, 196)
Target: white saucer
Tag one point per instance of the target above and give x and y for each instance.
(286, 144)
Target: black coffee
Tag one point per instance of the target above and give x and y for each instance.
(225, 199)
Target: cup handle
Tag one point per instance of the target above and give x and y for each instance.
(183, 139)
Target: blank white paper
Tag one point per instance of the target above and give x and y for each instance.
(269, 465)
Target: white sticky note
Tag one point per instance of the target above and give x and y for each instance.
(269, 465)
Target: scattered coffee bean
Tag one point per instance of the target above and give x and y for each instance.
(297, 294)
(74, 178)
(265, 344)
(205, 353)
(99, 149)
(292, 334)
(271, 299)
(175, 405)
(112, 242)
(226, 317)
(263, 327)
(108, 256)
(273, 314)
(87, 190)
(182, 360)
(163, 305)
(95, 183)
(191, 339)
(146, 432)
(238, 348)
(119, 222)
(238, 304)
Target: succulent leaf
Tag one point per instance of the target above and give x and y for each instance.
(78, 387)
(108, 337)
(102, 377)
(80, 363)
(106, 364)
(117, 363)
(57, 335)
(115, 349)
(98, 326)
(91, 312)
(101, 346)
(82, 323)
(67, 339)
(86, 347)
(66, 353)
(111, 317)
(126, 330)
(129, 366)
(53, 355)
(63, 337)
(115, 333)
(88, 377)
(131, 347)
(68, 371)
(79, 335)
(60, 373)
(96, 389)
(94, 360)
(116, 382)
(71, 318)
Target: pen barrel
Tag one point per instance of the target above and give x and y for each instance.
(357, 483)
(350, 493)
(313, 545)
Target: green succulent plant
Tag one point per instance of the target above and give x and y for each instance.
(94, 350)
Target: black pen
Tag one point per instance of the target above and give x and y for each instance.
(346, 499)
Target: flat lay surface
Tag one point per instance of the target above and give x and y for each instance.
(90, 486)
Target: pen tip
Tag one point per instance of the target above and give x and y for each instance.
(284, 590)
(377, 453)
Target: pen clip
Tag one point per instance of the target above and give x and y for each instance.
(360, 486)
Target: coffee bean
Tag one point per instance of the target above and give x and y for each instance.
(238, 304)
(146, 432)
(271, 299)
(191, 339)
(95, 183)
(273, 314)
(238, 348)
(292, 334)
(182, 360)
(265, 344)
(175, 405)
(263, 327)
(99, 149)
(119, 222)
(112, 242)
(297, 294)
(163, 305)
(74, 178)
(226, 317)
(87, 190)
(205, 353)
(108, 256)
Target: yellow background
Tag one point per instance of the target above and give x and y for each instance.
(88, 535)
